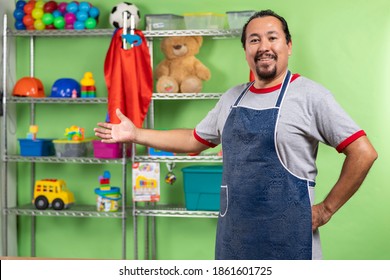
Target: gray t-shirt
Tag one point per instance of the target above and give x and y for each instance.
(309, 114)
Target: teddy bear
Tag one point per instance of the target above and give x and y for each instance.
(180, 70)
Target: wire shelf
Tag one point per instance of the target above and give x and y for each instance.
(223, 33)
(49, 159)
(103, 100)
(178, 158)
(92, 160)
(171, 211)
(81, 211)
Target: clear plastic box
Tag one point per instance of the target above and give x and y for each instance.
(69, 148)
(164, 22)
(237, 19)
(204, 21)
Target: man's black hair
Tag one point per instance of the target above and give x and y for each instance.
(266, 13)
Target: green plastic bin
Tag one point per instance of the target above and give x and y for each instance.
(202, 185)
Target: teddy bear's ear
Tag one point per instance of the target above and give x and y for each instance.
(198, 39)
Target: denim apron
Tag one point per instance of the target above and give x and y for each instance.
(265, 211)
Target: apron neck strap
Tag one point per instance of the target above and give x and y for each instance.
(243, 93)
(283, 88)
(282, 91)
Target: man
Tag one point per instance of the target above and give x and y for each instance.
(269, 130)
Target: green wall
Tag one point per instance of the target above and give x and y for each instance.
(341, 44)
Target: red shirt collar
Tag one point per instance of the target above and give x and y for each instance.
(271, 89)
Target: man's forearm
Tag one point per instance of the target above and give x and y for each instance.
(177, 140)
(359, 158)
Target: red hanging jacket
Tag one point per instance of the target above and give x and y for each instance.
(129, 79)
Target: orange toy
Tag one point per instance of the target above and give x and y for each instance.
(29, 87)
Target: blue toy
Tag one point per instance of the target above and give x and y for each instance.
(132, 39)
(94, 12)
(19, 25)
(64, 88)
(84, 6)
(20, 4)
(19, 14)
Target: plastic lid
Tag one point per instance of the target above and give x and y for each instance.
(203, 168)
(237, 12)
(66, 141)
(36, 140)
(202, 14)
(111, 191)
(162, 15)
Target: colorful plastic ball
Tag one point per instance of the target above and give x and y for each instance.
(70, 18)
(94, 12)
(18, 14)
(47, 18)
(19, 25)
(37, 13)
(39, 25)
(170, 178)
(50, 26)
(79, 25)
(90, 23)
(72, 7)
(84, 6)
(69, 26)
(39, 4)
(59, 22)
(28, 20)
(56, 13)
(30, 27)
(20, 4)
(81, 15)
(62, 7)
(28, 8)
(50, 6)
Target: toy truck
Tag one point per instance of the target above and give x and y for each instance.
(52, 193)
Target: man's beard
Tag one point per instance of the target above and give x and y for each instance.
(267, 73)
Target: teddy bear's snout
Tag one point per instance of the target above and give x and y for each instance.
(177, 47)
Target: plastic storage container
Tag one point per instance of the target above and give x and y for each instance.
(108, 150)
(237, 19)
(69, 148)
(204, 20)
(155, 152)
(202, 185)
(108, 200)
(164, 22)
(37, 147)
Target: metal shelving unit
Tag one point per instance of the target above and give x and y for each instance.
(90, 211)
(81, 211)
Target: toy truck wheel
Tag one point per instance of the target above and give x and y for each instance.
(41, 203)
(58, 204)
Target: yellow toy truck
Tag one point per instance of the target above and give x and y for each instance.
(52, 193)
